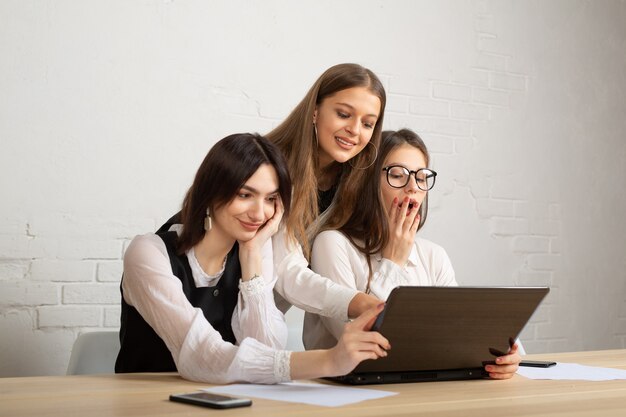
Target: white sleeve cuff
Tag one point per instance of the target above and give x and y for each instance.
(282, 366)
(254, 286)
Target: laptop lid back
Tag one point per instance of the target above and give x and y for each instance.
(439, 328)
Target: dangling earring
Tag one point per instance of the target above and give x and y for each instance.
(315, 134)
(373, 159)
(207, 220)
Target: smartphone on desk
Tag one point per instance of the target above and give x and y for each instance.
(207, 399)
(537, 364)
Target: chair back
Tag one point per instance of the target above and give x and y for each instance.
(94, 353)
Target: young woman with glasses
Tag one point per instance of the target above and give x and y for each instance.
(377, 248)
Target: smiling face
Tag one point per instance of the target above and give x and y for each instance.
(251, 207)
(412, 159)
(345, 123)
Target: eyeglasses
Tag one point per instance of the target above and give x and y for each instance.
(398, 177)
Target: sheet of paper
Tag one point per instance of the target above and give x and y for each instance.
(572, 371)
(303, 392)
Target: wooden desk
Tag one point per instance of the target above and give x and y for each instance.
(147, 394)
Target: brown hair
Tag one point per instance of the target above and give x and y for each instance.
(225, 169)
(296, 139)
(367, 228)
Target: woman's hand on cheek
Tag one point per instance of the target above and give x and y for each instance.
(269, 228)
(250, 252)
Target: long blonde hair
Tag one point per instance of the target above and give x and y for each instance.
(295, 137)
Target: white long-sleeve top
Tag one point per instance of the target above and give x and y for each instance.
(297, 284)
(336, 258)
(198, 350)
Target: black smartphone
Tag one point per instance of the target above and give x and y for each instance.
(537, 364)
(208, 399)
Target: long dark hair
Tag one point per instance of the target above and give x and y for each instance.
(296, 139)
(367, 227)
(225, 169)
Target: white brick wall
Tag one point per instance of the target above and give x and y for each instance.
(100, 140)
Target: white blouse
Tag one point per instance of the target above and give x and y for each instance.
(335, 257)
(297, 284)
(198, 349)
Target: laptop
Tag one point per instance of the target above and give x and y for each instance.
(446, 333)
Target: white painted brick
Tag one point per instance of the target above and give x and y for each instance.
(484, 23)
(76, 248)
(435, 201)
(469, 111)
(516, 64)
(480, 187)
(384, 79)
(562, 345)
(112, 316)
(475, 77)
(65, 225)
(14, 247)
(26, 293)
(534, 278)
(507, 81)
(534, 346)
(528, 334)
(427, 107)
(437, 143)
(544, 262)
(555, 245)
(531, 244)
(91, 294)
(545, 227)
(63, 316)
(531, 210)
(274, 110)
(551, 330)
(447, 164)
(489, 43)
(490, 62)
(495, 208)
(126, 242)
(397, 103)
(452, 127)
(62, 271)
(408, 85)
(13, 270)
(238, 103)
(509, 227)
(110, 271)
(555, 211)
(493, 97)
(13, 226)
(462, 145)
(512, 187)
(452, 92)
(398, 121)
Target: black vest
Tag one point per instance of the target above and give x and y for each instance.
(141, 349)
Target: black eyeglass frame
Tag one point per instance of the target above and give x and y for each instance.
(408, 177)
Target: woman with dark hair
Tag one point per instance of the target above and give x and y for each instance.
(328, 140)
(198, 299)
(376, 248)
